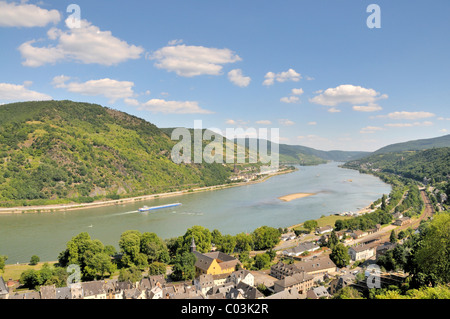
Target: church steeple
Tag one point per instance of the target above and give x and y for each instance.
(193, 247)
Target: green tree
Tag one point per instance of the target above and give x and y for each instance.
(132, 274)
(3, 259)
(228, 244)
(99, 265)
(265, 237)
(339, 255)
(154, 248)
(184, 267)
(157, 268)
(348, 293)
(30, 279)
(262, 261)
(310, 225)
(431, 260)
(393, 237)
(130, 246)
(244, 242)
(202, 237)
(34, 260)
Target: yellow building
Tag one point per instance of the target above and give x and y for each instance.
(213, 263)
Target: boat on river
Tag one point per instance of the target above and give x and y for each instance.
(146, 208)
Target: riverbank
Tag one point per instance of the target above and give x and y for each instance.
(77, 206)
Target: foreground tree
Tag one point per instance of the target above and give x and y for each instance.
(3, 260)
(184, 267)
(348, 293)
(430, 263)
(339, 255)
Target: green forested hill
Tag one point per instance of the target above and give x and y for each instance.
(431, 164)
(61, 151)
(417, 145)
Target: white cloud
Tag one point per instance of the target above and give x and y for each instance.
(370, 129)
(87, 44)
(368, 108)
(444, 130)
(189, 61)
(131, 102)
(264, 122)
(17, 93)
(407, 115)
(334, 110)
(26, 15)
(290, 99)
(236, 77)
(286, 122)
(289, 75)
(111, 89)
(347, 93)
(230, 122)
(175, 42)
(297, 91)
(312, 123)
(443, 118)
(173, 107)
(425, 123)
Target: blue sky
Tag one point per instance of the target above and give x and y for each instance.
(313, 69)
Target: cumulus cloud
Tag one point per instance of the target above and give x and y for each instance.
(334, 110)
(297, 91)
(173, 107)
(368, 108)
(236, 77)
(290, 99)
(347, 93)
(286, 122)
(87, 44)
(370, 129)
(289, 75)
(109, 88)
(425, 123)
(190, 61)
(407, 115)
(14, 92)
(26, 15)
(264, 122)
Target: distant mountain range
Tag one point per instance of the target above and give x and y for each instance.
(416, 145)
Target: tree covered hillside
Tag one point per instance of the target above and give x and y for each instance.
(430, 164)
(61, 151)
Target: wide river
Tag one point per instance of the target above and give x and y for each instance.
(231, 211)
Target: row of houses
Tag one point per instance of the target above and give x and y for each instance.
(237, 285)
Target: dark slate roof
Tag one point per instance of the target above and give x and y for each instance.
(249, 292)
(48, 292)
(93, 288)
(63, 293)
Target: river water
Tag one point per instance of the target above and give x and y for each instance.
(231, 211)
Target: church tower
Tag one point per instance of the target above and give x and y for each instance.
(193, 247)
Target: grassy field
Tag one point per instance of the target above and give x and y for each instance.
(323, 221)
(14, 271)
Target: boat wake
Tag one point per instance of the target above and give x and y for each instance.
(127, 213)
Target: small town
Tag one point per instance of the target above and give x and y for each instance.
(304, 271)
